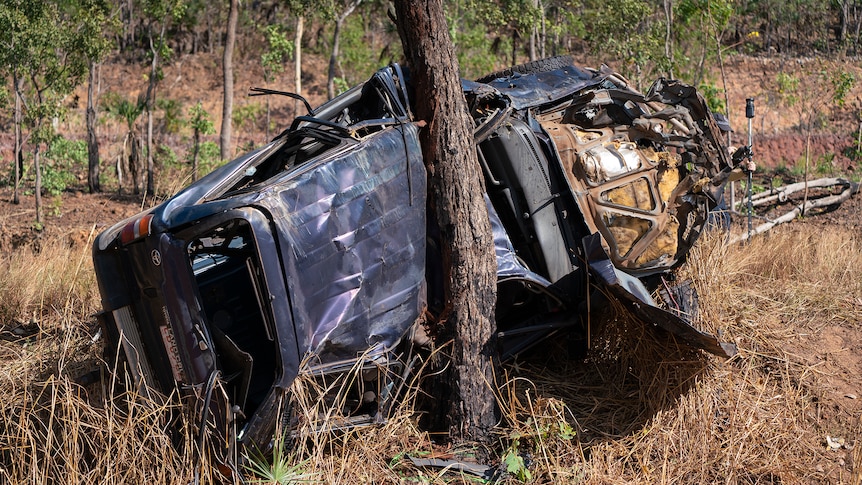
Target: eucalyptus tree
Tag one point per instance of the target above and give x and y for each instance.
(96, 24)
(303, 9)
(632, 32)
(159, 15)
(201, 125)
(345, 7)
(456, 188)
(225, 132)
(278, 49)
(127, 111)
(44, 47)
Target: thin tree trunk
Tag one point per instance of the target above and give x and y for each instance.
(845, 19)
(227, 67)
(37, 167)
(857, 18)
(700, 65)
(543, 37)
(119, 167)
(534, 33)
(668, 38)
(196, 150)
(807, 165)
(515, 37)
(268, 116)
(151, 104)
(92, 137)
(330, 78)
(297, 72)
(456, 195)
(19, 139)
(336, 40)
(134, 163)
(720, 55)
(129, 27)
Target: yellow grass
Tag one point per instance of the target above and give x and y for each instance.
(640, 409)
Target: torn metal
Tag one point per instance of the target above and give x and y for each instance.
(315, 253)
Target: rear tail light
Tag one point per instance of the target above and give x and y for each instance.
(136, 229)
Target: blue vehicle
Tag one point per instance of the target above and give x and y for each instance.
(315, 253)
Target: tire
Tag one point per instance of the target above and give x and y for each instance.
(535, 67)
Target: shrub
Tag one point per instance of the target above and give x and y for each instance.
(62, 160)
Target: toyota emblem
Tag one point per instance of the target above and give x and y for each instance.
(157, 257)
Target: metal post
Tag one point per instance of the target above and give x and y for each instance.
(749, 113)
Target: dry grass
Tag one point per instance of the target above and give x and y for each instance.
(48, 281)
(53, 430)
(650, 413)
(641, 409)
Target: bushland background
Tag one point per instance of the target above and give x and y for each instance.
(785, 410)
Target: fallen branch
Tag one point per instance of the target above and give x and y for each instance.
(781, 194)
(850, 188)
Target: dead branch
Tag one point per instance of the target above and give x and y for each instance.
(850, 188)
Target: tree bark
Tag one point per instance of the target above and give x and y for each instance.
(195, 151)
(456, 197)
(92, 137)
(227, 65)
(135, 162)
(297, 70)
(151, 104)
(37, 168)
(336, 39)
(668, 37)
(534, 34)
(19, 138)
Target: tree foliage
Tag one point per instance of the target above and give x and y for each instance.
(201, 124)
(46, 47)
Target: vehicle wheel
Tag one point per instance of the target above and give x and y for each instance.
(542, 65)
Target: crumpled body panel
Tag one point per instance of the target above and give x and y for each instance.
(354, 230)
(314, 254)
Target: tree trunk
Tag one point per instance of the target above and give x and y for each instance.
(151, 104)
(135, 163)
(119, 167)
(19, 139)
(227, 66)
(336, 39)
(297, 71)
(845, 20)
(129, 31)
(534, 34)
(857, 19)
(456, 196)
(515, 37)
(668, 38)
(195, 151)
(92, 137)
(543, 36)
(37, 168)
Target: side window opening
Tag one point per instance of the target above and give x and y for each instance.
(232, 292)
(375, 106)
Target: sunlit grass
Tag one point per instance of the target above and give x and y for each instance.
(640, 409)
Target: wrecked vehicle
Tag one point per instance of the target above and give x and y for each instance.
(315, 253)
